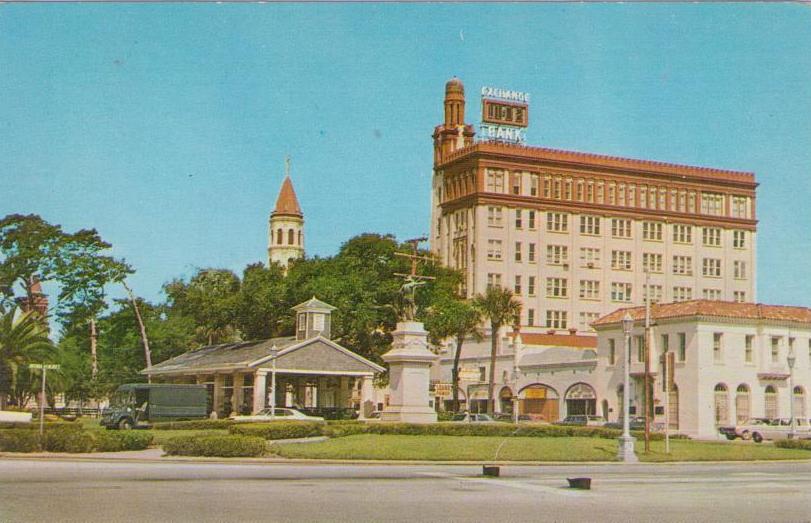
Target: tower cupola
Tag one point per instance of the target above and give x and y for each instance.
(313, 319)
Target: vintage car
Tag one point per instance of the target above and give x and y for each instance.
(759, 429)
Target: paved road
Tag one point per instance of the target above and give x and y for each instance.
(34, 490)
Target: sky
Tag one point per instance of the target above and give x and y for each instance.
(165, 126)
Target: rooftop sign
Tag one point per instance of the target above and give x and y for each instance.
(505, 94)
(505, 115)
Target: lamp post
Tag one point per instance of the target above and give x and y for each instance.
(274, 352)
(790, 359)
(626, 443)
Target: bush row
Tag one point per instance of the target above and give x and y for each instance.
(72, 440)
(804, 444)
(281, 429)
(202, 424)
(225, 446)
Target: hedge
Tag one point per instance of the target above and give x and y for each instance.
(230, 446)
(804, 444)
(119, 440)
(14, 440)
(279, 429)
(202, 424)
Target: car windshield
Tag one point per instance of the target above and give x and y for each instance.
(279, 412)
(120, 399)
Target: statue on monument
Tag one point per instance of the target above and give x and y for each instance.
(408, 291)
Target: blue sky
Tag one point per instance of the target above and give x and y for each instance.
(165, 126)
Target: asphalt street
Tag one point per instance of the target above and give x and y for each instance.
(39, 490)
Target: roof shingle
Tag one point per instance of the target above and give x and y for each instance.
(712, 308)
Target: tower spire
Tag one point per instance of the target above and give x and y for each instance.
(286, 227)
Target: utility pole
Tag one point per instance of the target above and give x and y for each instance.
(44, 368)
(647, 395)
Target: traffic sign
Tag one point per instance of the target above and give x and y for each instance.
(46, 366)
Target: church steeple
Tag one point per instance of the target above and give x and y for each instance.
(286, 231)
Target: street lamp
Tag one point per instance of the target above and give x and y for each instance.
(626, 443)
(790, 359)
(274, 352)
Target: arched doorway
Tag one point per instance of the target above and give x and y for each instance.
(721, 405)
(540, 402)
(742, 404)
(505, 399)
(581, 399)
(799, 402)
(770, 403)
(673, 406)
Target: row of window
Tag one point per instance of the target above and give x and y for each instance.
(743, 403)
(620, 260)
(776, 344)
(618, 194)
(620, 227)
(591, 289)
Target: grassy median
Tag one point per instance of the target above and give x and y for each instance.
(452, 448)
(687, 450)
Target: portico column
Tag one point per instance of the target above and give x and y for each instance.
(259, 390)
(366, 397)
(219, 393)
(236, 396)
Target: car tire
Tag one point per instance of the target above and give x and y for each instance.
(125, 424)
(730, 437)
(756, 437)
(746, 435)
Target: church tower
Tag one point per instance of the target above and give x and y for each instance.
(286, 230)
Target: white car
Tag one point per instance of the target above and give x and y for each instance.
(280, 414)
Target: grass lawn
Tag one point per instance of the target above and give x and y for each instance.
(686, 450)
(158, 436)
(452, 448)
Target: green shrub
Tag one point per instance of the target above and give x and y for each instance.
(35, 425)
(337, 431)
(69, 439)
(804, 444)
(16, 440)
(201, 424)
(116, 441)
(279, 429)
(489, 429)
(230, 446)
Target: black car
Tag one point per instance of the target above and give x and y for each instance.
(634, 422)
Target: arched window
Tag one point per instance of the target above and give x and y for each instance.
(721, 405)
(539, 401)
(770, 399)
(279, 236)
(742, 404)
(581, 399)
(799, 402)
(291, 238)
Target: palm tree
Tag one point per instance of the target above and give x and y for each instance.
(501, 307)
(23, 340)
(460, 319)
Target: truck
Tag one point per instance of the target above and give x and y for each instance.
(140, 404)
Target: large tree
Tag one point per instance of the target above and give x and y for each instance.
(84, 271)
(211, 298)
(262, 309)
(30, 250)
(458, 319)
(23, 340)
(501, 307)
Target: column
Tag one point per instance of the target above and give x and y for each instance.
(236, 397)
(366, 397)
(219, 394)
(259, 390)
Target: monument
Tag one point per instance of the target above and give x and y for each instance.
(409, 358)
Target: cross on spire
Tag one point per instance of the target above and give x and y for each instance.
(287, 165)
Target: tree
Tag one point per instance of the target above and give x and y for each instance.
(458, 319)
(31, 249)
(83, 272)
(262, 307)
(211, 298)
(501, 307)
(23, 340)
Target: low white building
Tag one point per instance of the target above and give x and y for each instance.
(731, 362)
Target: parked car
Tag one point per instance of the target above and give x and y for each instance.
(472, 418)
(139, 404)
(582, 420)
(277, 414)
(759, 429)
(634, 423)
(509, 418)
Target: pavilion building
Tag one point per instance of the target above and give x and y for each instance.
(312, 371)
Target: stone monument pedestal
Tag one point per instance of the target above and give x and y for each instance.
(409, 375)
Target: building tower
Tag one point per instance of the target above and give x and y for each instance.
(454, 133)
(286, 229)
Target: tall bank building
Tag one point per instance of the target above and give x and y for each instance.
(579, 235)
